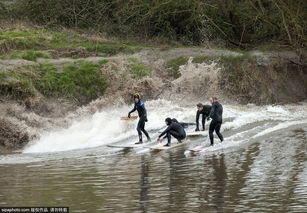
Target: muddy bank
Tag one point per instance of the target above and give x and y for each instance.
(250, 77)
(185, 75)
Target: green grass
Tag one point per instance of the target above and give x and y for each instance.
(83, 82)
(138, 69)
(30, 55)
(173, 66)
(38, 40)
(103, 62)
(17, 85)
(223, 59)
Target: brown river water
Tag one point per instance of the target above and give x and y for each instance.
(260, 167)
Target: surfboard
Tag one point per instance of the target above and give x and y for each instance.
(198, 133)
(144, 144)
(160, 148)
(196, 150)
(126, 118)
(125, 146)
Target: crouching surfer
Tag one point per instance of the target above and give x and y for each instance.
(174, 129)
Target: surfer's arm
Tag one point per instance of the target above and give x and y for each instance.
(197, 121)
(165, 131)
(133, 110)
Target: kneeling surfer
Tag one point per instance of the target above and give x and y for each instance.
(174, 129)
(140, 107)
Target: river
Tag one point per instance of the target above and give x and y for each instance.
(260, 167)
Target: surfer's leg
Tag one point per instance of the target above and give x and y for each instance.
(168, 136)
(139, 130)
(203, 121)
(211, 130)
(143, 130)
(176, 135)
(217, 130)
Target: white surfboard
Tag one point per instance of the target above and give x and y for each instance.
(198, 133)
(173, 145)
(125, 146)
(144, 144)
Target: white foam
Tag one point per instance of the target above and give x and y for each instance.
(105, 127)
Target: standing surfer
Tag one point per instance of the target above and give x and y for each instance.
(217, 119)
(140, 107)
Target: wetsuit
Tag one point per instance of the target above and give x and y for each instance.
(186, 125)
(174, 129)
(140, 107)
(205, 112)
(183, 124)
(217, 119)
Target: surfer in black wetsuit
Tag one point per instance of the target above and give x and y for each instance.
(205, 111)
(174, 129)
(183, 124)
(140, 107)
(217, 119)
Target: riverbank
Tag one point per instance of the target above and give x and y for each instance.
(49, 77)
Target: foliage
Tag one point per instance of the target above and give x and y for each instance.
(138, 69)
(17, 85)
(37, 39)
(241, 22)
(84, 82)
(29, 55)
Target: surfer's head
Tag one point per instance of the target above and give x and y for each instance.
(175, 120)
(200, 106)
(136, 97)
(168, 121)
(213, 99)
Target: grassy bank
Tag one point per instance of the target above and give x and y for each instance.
(81, 81)
(76, 79)
(31, 44)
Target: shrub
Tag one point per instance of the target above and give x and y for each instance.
(84, 82)
(240, 22)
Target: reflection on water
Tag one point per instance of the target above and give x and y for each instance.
(267, 175)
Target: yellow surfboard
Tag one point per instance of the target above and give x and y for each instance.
(126, 118)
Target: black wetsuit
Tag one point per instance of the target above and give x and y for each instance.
(140, 107)
(186, 125)
(183, 124)
(205, 112)
(174, 129)
(217, 119)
